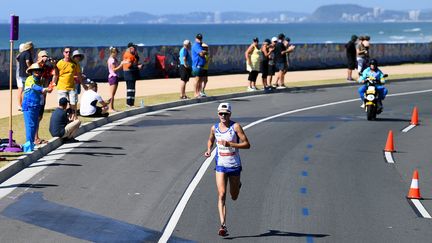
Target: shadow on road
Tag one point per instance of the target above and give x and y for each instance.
(279, 233)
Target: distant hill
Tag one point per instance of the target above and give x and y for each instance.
(326, 13)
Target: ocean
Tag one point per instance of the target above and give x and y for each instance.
(88, 35)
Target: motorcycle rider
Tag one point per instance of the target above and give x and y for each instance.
(373, 72)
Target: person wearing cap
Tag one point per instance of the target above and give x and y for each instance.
(31, 105)
(266, 50)
(185, 68)
(253, 60)
(60, 124)
(198, 62)
(290, 48)
(77, 57)
(131, 67)
(89, 100)
(24, 61)
(49, 77)
(205, 68)
(113, 67)
(68, 70)
(271, 62)
(350, 50)
(229, 137)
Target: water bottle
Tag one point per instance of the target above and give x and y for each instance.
(142, 103)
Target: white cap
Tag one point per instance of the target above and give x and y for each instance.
(186, 42)
(224, 107)
(274, 39)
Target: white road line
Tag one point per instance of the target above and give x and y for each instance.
(406, 129)
(389, 157)
(420, 208)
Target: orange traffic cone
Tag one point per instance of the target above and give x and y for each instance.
(389, 144)
(414, 117)
(414, 191)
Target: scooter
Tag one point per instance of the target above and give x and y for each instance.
(373, 103)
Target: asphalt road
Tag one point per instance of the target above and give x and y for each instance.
(314, 175)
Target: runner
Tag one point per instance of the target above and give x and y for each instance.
(230, 138)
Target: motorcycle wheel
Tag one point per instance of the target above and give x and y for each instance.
(371, 112)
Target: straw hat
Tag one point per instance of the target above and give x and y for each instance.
(42, 53)
(33, 67)
(28, 46)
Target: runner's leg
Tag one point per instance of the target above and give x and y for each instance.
(221, 183)
(234, 182)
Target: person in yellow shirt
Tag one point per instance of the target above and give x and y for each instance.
(68, 69)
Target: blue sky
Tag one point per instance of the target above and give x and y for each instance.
(30, 9)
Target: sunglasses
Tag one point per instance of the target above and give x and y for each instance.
(224, 114)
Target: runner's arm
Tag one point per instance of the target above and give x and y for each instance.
(244, 141)
(210, 142)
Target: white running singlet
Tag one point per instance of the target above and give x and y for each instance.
(227, 157)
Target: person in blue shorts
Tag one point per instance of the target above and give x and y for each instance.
(198, 62)
(229, 137)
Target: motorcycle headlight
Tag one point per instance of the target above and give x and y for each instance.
(370, 97)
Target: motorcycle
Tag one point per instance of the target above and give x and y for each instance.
(372, 101)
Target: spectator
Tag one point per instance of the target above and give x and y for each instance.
(113, 67)
(48, 77)
(290, 48)
(131, 67)
(198, 62)
(31, 105)
(280, 62)
(362, 55)
(185, 67)
(351, 57)
(77, 57)
(61, 125)
(253, 60)
(205, 70)
(68, 70)
(89, 100)
(266, 51)
(24, 61)
(271, 62)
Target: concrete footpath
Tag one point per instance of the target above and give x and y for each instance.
(172, 85)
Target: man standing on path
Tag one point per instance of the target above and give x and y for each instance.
(68, 70)
(351, 57)
(280, 61)
(198, 62)
(229, 137)
(185, 67)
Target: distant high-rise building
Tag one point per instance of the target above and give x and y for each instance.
(217, 17)
(414, 15)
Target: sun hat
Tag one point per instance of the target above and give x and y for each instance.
(186, 42)
(27, 46)
(33, 67)
(224, 107)
(21, 47)
(77, 53)
(43, 53)
(274, 39)
(204, 45)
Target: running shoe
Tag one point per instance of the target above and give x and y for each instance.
(281, 87)
(362, 105)
(203, 94)
(223, 231)
(250, 89)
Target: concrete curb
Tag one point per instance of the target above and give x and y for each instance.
(24, 161)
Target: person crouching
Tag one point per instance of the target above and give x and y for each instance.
(89, 100)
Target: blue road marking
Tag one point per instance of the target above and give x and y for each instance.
(309, 146)
(306, 158)
(303, 190)
(318, 135)
(305, 211)
(304, 173)
(33, 209)
(309, 239)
